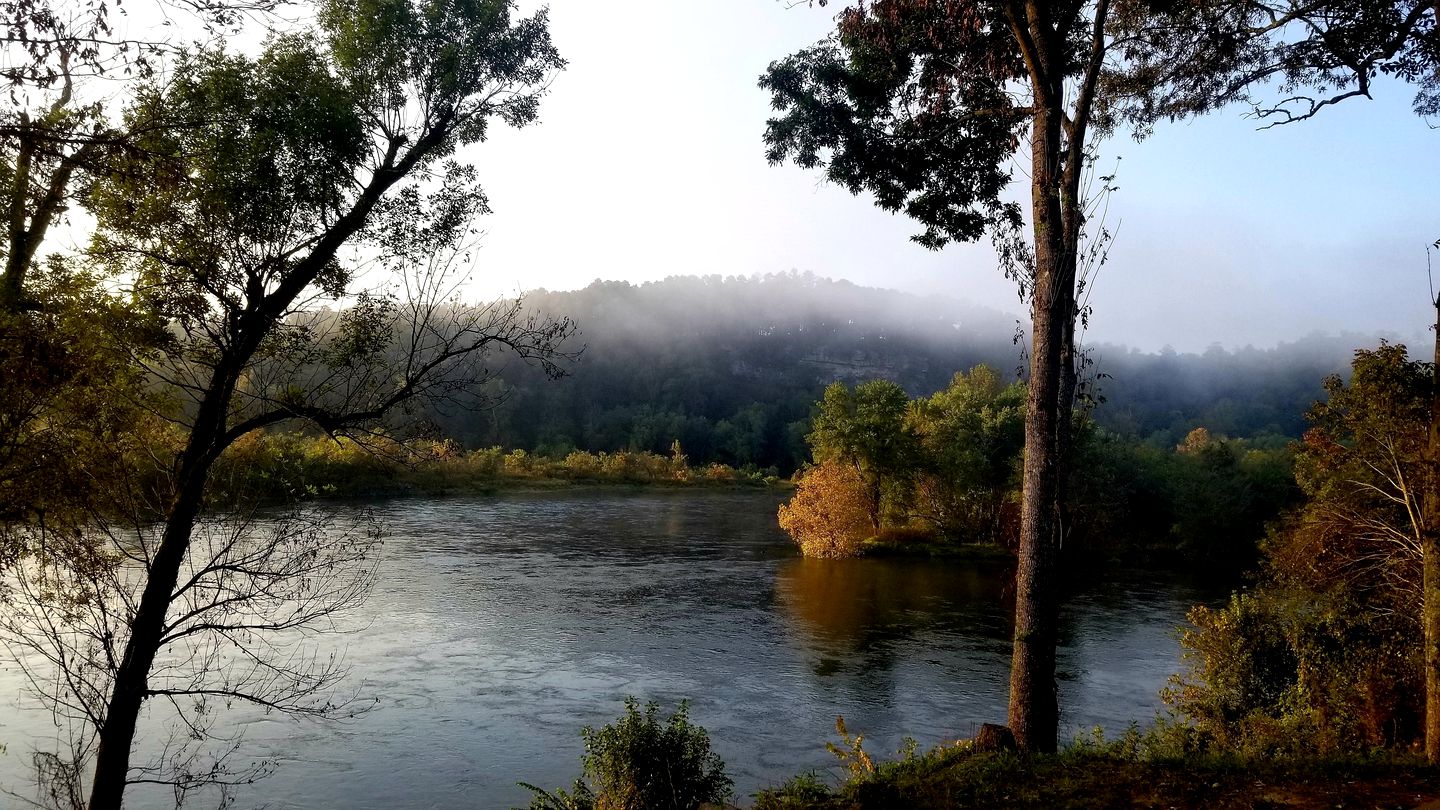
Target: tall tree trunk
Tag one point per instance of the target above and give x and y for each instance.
(1034, 714)
(117, 735)
(1430, 563)
(1065, 416)
(1056, 164)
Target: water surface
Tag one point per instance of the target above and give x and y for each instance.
(502, 625)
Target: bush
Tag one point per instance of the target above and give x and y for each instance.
(1282, 671)
(640, 763)
(581, 464)
(830, 515)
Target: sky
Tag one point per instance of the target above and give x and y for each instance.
(648, 162)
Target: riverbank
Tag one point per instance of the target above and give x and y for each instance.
(959, 778)
(1169, 766)
(290, 465)
(929, 544)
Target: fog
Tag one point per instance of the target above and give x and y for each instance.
(732, 366)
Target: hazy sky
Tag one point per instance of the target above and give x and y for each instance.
(648, 162)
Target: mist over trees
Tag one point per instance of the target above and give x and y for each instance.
(732, 367)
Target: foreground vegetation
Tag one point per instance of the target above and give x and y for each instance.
(957, 776)
(641, 763)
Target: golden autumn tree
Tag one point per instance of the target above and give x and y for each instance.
(830, 513)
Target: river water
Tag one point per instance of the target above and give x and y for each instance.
(501, 625)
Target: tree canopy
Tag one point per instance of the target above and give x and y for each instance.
(1286, 59)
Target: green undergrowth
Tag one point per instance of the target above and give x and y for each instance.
(642, 763)
(1134, 771)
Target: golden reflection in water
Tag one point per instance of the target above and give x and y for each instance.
(857, 603)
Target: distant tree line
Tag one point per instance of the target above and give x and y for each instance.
(733, 367)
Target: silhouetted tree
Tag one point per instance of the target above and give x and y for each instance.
(1287, 60)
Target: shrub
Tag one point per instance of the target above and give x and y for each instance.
(515, 463)
(830, 515)
(640, 763)
(581, 464)
(486, 463)
(1293, 671)
(720, 474)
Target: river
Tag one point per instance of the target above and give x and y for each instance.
(501, 625)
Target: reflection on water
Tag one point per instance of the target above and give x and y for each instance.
(502, 625)
(862, 604)
(863, 618)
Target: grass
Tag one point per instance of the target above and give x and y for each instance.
(925, 542)
(1096, 777)
(939, 548)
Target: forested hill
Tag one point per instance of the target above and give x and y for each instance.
(731, 367)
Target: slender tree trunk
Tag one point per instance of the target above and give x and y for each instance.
(1430, 563)
(117, 735)
(29, 217)
(1034, 714)
(1065, 418)
(1056, 163)
(12, 278)
(147, 629)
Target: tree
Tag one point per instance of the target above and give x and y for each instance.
(1366, 471)
(1430, 552)
(866, 429)
(65, 385)
(1289, 61)
(281, 176)
(971, 435)
(1363, 469)
(832, 511)
(254, 590)
(923, 104)
(1328, 647)
(53, 131)
(1285, 59)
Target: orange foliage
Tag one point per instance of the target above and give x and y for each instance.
(830, 513)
